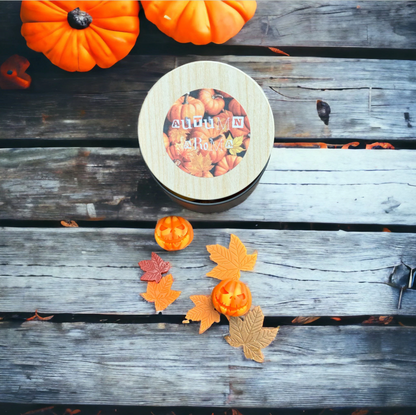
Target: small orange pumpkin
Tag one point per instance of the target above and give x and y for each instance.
(77, 35)
(199, 22)
(173, 233)
(214, 103)
(226, 164)
(231, 297)
(186, 107)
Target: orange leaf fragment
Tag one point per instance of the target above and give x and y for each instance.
(279, 52)
(375, 146)
(160, 293)
(69, 224)
(379, 320)
(203, 311)
(38, 317)
(349, 145)
(154, 268)
(360, 412)
(335, 318)
(250, 334)
(232, 260)
(304, 320)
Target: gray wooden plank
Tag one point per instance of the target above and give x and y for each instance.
(308, 23)
(368, 98)
(297, 272)
(299, 185)
(168, 365)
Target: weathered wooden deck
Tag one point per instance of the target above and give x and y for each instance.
(70, 152)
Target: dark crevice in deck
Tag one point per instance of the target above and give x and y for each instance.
(42, 409)
(199, 224)
(20, 317)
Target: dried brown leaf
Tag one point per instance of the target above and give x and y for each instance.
(250, 334)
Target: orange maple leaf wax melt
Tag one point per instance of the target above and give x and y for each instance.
(230, 261)
(161, 293)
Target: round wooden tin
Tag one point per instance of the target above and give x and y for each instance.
(206, 132)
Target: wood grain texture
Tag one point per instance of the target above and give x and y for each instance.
(310, 23)
(169, 365)
(297, 272)
(369, 99)
(299, 185)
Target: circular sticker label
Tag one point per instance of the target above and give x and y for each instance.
(206, 133)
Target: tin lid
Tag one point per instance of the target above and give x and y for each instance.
(206, 130)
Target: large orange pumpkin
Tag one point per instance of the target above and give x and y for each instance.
(173, 233)
(232, 298)
(77, 35)
(200, 22)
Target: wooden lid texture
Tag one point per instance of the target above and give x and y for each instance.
(249, 117)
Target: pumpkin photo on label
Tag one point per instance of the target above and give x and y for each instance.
(203, 131)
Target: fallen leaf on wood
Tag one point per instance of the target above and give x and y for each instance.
(203, 311)
(160, 293)
(154, 268)
(38, 317)
(279, 52)
(304, 320)
(349, 145)
(376, 146)
(335, 318)
(379, 320)
(36, 411)
(230, 261)
(74, 412)
(250, 334)
(361, 412)
(70, 224)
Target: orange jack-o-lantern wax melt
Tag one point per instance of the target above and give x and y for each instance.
(173, 233)
(231, 297)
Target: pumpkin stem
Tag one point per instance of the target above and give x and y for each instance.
(215, 96)
(78, 19)
(185, 101)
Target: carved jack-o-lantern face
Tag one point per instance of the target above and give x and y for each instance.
(232, 298)
(173, 233)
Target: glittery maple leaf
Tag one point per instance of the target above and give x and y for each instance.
(230, 261)
(203, 311)
(160, 293)
(250, 334)
(154, 268)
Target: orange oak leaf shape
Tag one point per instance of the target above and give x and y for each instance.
(160, 293)
(250, 334)
(203, 311)
(154, 268)
(200, 165)
(230, 261)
